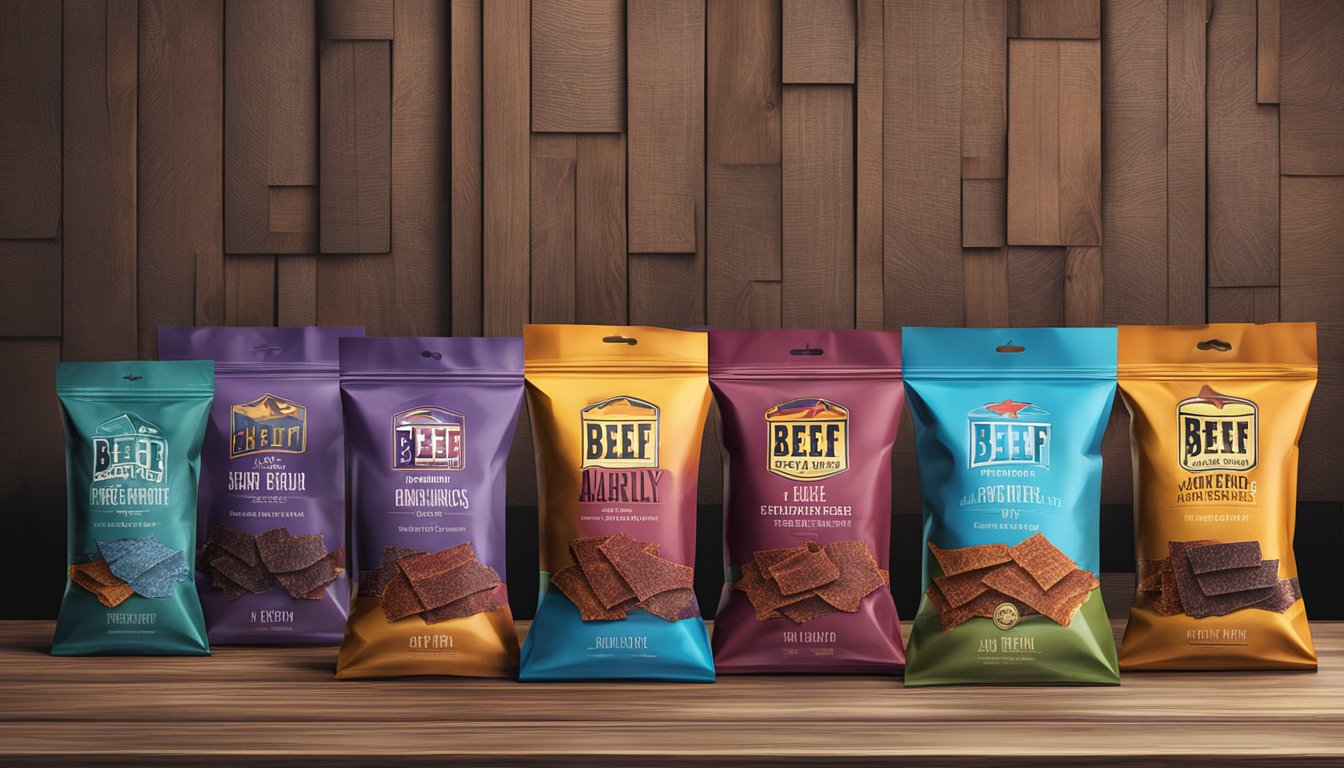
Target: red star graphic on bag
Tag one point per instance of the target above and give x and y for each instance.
(1007, 408)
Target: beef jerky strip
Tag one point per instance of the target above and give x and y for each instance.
(302, 583)
(804, 570)
(481, 602)
(964, 587)
(1043, 560)
(602, 577)
(237, 543)
(1057, 603)
(255, 578)
(1231, 580)
(804, 611)
(1150, 574)
(571, 583)
(954, 561)
(161, 580)
(859, 575)
(98, 579)
(1221, 557)
(445, 587)
(1193, 601)
(399, 600)
(763, 592)
(373, 580)
(672, 605)
(646, 574)
(1286, 593)
(284, 553)
(421, 567)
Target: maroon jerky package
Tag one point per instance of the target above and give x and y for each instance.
(808, 423)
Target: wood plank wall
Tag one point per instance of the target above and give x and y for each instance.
(463, 167)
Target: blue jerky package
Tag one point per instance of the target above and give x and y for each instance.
(1008, 427)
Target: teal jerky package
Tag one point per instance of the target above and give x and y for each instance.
(133, 433)
(1008, 426)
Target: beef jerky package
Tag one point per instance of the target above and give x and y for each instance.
(808, 423)
(1008, 426)
(617, 418)
(271, 518)
(133, 434)
(1215, 415)
(428, 423)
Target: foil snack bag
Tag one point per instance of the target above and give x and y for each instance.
(1008, 427)
(808, 423)
(133, 433)
(1215, 415)
(617, 417)
(271, 564)
(428, 427)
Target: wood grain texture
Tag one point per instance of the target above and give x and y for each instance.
(1312, 273)
(30, 306)
(356, 159)
(552, 248)
(1133, 159)
(869, 301)
(578, 66)
(983, 210)
(30, 132)
(270, 122)
(743, 246)
(921, 156)
(249, 290)
(296, 289)
(742, 80)
(1036, 286)
(98, 189)
(1083, 299)
(354, 19)
(1311, 47)
(818, 207)
(1244, 305)
(818, 41)
(599, 230)
(180, 276)
(665, 50)
(987, 301)
(984, 90)
(1243, 166)
(1267, 51)
(465, 106)
(505, 93)
(1187, 54)
(130, 711)
(1080, 19)
(1054, 142)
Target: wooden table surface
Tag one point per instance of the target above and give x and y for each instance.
(277, 706)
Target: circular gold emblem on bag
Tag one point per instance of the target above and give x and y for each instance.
(1006, 615)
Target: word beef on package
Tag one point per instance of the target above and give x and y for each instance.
(808, 423)
(428, 427)
(1008, 427)
(617, 417)
(1216, 413)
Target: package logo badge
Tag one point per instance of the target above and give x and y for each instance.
(807, 439)
(620, 433)
(269, 424)
(1010, 432)
(429, 438)
(1217, 432)
(129, 448)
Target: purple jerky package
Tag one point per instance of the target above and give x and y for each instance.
(271, 511)
(429, 422)
(808, 420)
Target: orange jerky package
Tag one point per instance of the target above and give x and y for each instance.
(1216, 412)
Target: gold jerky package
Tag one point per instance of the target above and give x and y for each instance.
(1216, 412)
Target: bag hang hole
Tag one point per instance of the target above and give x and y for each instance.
(1010, 348)
(619, 340)
(1217, 345)
(808, 351)
(428, 354)
(266, 348)
(132, 377)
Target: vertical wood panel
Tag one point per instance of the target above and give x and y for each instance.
(665, 50)
(30, 306)
(552, 248)
(355, 20)
(1186, 84)
(743, 246)
(180, 199)
(987, 287)
(921, 154)
(818, 41)
(249, 290)
(1312, 273)
(1036, 286)
(578, 66)
(270, 122)
(1133, 158)
(1243, 158)
(984, 91)
(1311, 40)
(599, 230)
(742, 79)
(983, 211)
(465, 125)
(1267, 51)
(356, 156)
(818, 184)
(868, 291)
(296, 290)
(98, 238)
(1082, 286)
(665, 290)
(1244, 305)
(30, 131)
(1079, 19)
(505, 172)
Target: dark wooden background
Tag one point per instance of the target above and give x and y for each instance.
(463, 167)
